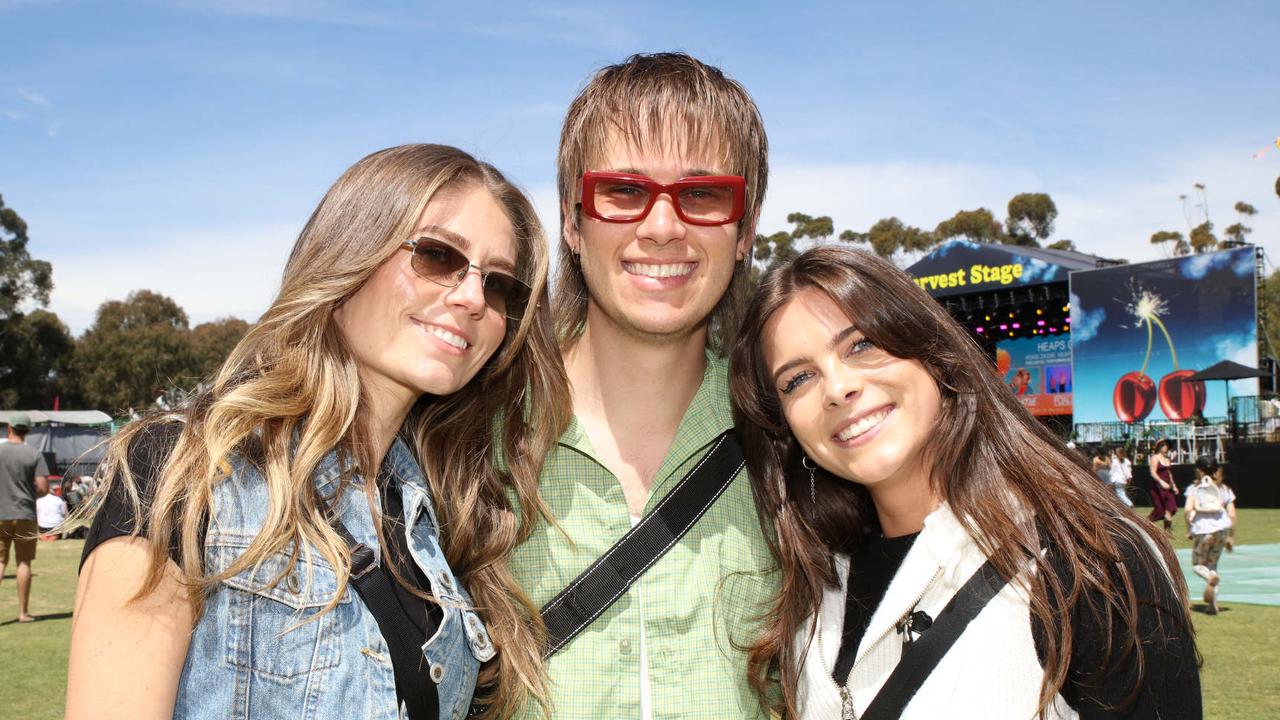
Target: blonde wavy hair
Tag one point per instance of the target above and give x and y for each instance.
(290, 392)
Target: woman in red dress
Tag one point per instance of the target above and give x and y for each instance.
(1164, 492)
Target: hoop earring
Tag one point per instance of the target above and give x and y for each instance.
(804, 461)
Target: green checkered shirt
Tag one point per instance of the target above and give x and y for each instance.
(700, 600)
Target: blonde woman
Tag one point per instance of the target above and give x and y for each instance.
(382, 403)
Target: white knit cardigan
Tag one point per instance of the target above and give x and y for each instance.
(992, 672)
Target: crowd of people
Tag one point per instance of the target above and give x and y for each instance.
(425, 486)
(1208, 503)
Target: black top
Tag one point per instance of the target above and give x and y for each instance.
(1171, 680)
(876, 562)
(115, 519)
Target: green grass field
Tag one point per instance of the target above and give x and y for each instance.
(1241, 658)
(1253, 527)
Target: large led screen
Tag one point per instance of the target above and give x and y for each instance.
(1038, 371)
(1139, 331)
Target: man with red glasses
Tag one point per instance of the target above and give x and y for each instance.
(662, 169)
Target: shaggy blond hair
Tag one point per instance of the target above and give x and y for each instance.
(290, 393)
(661, 100)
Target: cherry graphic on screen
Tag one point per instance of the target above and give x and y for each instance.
(1134, 397)
(1135, 394)
(1181, 398)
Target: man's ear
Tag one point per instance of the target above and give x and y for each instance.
(569, 230)
(746, 240)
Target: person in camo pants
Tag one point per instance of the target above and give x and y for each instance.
(1211, 515)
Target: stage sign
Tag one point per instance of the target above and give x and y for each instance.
(960, 267)
(1038, 371)
(1139, 331)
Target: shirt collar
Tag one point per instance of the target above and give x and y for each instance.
(707, 416)
(399, 459)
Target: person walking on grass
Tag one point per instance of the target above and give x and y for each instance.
(1211, 519)
(24, 477)
(1121, 472)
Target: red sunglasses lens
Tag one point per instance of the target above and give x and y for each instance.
(622, 200)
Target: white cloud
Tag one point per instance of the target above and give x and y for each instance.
(1114, 214)
(856, 195)
(1108, 213)
(328, 12)
(542, 109)
(1241, 348)
(211, 274)
(11, 4)
(33, 97)
(578, 25)
(1084, 323)
(546, 201)
(1195, 268)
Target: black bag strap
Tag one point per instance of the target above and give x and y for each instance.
(413, 682)
(600, 586)
(920, 657)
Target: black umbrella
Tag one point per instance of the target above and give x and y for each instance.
(1226, 371)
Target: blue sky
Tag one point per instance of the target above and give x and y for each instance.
(180, 146)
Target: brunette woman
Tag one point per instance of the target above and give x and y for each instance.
(1164, 491)
(382, 402)
(1102, 464)
(896, 468)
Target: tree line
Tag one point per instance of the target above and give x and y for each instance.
(143, 349)
(1029, 222)
(139, 351)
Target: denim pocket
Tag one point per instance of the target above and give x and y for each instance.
(278, 630)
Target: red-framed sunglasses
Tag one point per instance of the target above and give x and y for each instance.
(699, 200)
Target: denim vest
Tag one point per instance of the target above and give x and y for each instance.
(261, 653)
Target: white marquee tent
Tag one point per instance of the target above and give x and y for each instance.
(73, 437)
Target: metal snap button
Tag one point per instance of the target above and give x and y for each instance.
(446, 582)
(437, 673)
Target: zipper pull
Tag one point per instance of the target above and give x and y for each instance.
(903, 627)
(913, 624)
(846, 705)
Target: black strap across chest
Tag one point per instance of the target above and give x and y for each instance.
(610, 576)
(920, 657)
(413, 681)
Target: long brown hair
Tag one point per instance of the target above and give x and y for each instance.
(660, 100)
(991, 454)
(289, 393)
